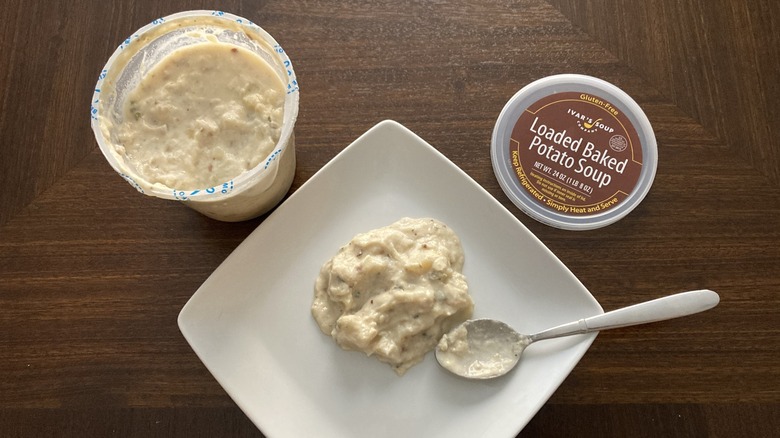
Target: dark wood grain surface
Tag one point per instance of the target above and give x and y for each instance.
(93, 275)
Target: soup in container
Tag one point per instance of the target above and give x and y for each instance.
(199, 107)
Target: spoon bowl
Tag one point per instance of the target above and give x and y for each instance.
(487, 348)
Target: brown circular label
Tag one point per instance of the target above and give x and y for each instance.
(576, 153)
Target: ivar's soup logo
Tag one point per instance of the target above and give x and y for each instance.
(591, 124)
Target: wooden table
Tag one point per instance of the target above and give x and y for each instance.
(93, 275)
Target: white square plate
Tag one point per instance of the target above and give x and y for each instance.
(250, 322)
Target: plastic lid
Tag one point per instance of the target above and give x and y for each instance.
(574, 152)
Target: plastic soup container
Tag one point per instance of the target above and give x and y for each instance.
(265, 162)
(574, 152)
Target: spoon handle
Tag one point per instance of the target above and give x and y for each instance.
(673, 306)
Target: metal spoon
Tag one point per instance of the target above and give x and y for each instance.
(486, 348)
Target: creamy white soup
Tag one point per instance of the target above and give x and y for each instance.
(203, 115)
(393, 292)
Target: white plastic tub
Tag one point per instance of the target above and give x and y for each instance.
(245, 196)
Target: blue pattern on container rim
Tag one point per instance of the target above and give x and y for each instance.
(128, 40)
(271, 158)
(93, 109)
(184, 195)
(132, 182)
(227, 187)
